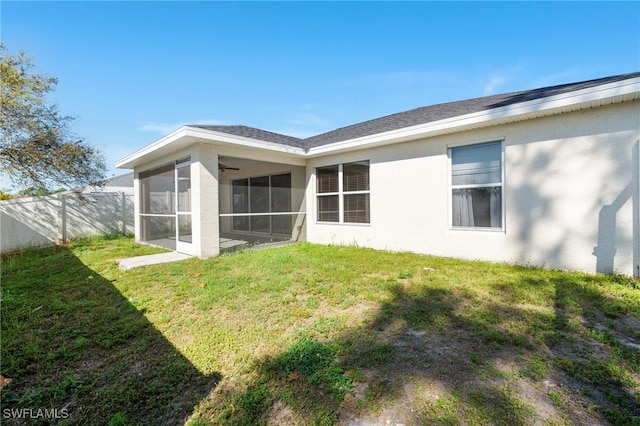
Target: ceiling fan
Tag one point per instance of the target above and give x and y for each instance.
(223, 167)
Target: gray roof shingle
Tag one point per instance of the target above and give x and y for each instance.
(437, 112)
(415, 116)
(125, 180)
(253, 133)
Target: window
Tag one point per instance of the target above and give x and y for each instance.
(343, 193)
(476, 184)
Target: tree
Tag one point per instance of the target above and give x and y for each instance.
(37, 192)
(37, 148)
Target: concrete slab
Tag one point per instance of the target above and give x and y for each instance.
(271, 245)
(226, 243)
(152, 259)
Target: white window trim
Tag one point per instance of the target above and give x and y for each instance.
(451, 187)
(341, 195)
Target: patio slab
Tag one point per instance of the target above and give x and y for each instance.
(228, 245)
(271, 245)
(152, 259)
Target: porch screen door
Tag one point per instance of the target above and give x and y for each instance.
(183, 207)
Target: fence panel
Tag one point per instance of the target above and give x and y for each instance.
(38, 221)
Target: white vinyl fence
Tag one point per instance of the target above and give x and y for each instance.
(54, 219)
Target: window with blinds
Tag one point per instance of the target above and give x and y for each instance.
(343, 193)
(355, 176)
(476, 183)
(327, 179)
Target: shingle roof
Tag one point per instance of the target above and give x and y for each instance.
(415, 116)
(451, 109)
(125, 180)
(253, 133)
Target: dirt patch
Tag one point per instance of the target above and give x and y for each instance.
(459, 365)
(281, 414)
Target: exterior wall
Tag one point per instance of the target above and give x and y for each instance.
(40, 221)
(571, 194)
(204, 186)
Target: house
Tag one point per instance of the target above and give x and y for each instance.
(542, 177)
(121, 183)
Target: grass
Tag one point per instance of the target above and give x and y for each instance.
(309, 334)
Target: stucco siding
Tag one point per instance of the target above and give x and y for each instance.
(204, 181)
(569, 191)
(570, 194)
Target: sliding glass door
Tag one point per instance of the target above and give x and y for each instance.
(280, 201)
(260, 197)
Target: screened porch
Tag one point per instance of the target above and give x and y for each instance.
(260, 202)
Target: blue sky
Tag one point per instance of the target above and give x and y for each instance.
(134, 71)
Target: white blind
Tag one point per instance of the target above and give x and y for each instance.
(355, 176)
(327, 179)
(356, 208)
(328, 208)
(477, 164)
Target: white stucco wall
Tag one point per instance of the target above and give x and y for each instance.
(204, 185)
(571, 194)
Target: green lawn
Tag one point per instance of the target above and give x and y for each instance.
(309, 334)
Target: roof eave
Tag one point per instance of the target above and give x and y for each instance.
(626, 90)
(186, 135)
(621, 91)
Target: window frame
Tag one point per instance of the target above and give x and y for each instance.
(341, 193)
(501, 185)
